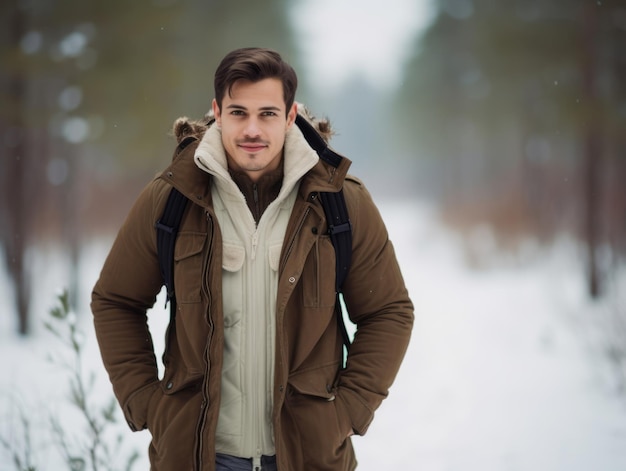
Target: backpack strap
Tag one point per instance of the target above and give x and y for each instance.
(167, 230)
(340, 231)
(316, 141)
(338, 221)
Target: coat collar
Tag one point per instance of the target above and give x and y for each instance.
(186, 177)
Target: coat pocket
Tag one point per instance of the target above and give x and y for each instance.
(312, 401)
(273, 256)
(172, 423)
(233, 257)
(321, 427)
(318, 277)
(188, 258)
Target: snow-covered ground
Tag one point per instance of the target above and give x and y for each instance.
(503, 372)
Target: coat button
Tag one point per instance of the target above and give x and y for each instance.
(314, 230)
(292, 279)
(169, 385)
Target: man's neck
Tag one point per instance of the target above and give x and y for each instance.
(260, 193)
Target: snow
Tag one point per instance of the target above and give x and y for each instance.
(504, 370)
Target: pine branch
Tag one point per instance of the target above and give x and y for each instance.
(92, 451)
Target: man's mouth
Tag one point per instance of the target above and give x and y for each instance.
(252, 147)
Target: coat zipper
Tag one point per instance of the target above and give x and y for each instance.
(281, 270)
(205, 383)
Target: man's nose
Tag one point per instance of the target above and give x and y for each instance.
(252, 128)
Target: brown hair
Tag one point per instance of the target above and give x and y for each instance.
(254, 64)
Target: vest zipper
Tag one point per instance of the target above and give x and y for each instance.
(258, 400)
(255, 193)
(204, 407)
(251, 333)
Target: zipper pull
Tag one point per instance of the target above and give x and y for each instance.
(256, 463)
(255, 243)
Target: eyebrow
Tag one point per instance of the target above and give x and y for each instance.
(234, 106)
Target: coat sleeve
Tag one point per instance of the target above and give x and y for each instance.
(378, 303)
(128, 285)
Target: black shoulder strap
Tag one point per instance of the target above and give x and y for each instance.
(338, 220)
(167, 229)
(334, 203)
(340, 231)
(317, 142)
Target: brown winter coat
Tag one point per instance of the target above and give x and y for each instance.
(316, 406)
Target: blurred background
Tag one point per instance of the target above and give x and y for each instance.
(492, 132)
(507, 115)
(507, 118)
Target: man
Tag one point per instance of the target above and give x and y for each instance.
(253, 373)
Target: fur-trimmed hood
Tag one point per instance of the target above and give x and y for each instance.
(185, 127)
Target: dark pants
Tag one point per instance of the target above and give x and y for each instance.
(232, 463)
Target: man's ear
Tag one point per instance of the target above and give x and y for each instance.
(291, 115)
(217, 113)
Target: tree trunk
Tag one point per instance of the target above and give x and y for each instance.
(592, 148)
(14, 207)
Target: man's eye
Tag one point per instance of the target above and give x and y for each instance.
(268, 113)
(237, 113)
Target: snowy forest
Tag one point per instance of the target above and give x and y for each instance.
(502, 141)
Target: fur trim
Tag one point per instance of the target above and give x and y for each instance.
(321, 125)
(184, 127)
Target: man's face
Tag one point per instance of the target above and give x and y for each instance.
(254, 122)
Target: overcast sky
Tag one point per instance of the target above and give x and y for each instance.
(341, 38)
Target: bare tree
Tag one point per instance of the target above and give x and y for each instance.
(592, 147)
(16, 192)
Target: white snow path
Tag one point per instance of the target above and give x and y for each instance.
(498, 376)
